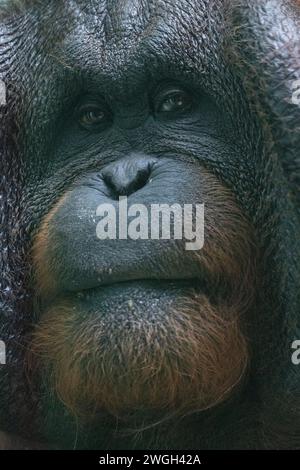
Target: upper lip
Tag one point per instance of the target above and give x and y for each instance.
(106, 282)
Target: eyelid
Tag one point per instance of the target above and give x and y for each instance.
(168, 92)
(90, 101)
(94, 105)
(90, 106)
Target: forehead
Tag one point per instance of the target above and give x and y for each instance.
(113, 36)
(119, 19)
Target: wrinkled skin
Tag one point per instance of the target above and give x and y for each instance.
(236, 150)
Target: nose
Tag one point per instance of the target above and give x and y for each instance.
(128, 175)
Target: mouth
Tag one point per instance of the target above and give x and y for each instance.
(138, 300)
(144, 299)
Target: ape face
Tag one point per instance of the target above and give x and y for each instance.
(127, 99)
(128, 324)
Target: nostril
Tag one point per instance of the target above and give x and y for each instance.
(128, 175)
(140, 180)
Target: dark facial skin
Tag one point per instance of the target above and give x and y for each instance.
(181, 102)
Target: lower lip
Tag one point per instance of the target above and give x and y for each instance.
(143, 297)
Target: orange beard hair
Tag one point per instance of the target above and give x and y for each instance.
(191, 362)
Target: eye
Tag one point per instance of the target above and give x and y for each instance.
(94, 117)
(173, 102)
